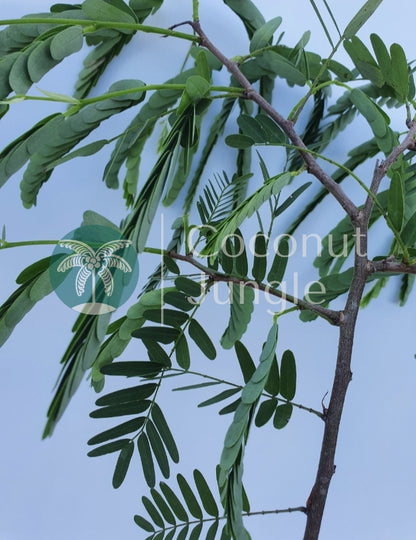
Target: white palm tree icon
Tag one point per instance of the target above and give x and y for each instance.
(91, 262)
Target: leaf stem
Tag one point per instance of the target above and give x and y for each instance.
(195, 10)
(111, 95)
(6, 245)
(180, 371)
(115, 25)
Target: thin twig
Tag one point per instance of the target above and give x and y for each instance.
(330, 315)
(287, 126)
(391, 265)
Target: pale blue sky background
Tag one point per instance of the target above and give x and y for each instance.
(51, 489)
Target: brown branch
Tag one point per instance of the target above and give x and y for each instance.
(326, 467)
(287, 126)
(362, 269)
(330, 315)
(391, 265)
(382, 168)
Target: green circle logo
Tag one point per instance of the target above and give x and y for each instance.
(94, 270)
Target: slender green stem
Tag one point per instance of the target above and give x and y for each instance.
(92, 26)
(300, 103)
(195, 10)
(6, 245)
(218, 518)
(180, 371)
(295, 114)
(111, 95)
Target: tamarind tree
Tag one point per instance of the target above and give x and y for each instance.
(242, 183)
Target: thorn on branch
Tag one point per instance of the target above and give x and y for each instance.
(324, 409)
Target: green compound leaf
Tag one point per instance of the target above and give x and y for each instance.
(35, 284)
(251, 392)
(56, 135)
(123, 464)
(245, 210)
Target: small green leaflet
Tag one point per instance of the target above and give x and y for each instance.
(282, 415)
(201, 338)
(277, 271)
(123, 464)
(265, 411)
(260, 257)
(248, 13)
(247, 365)
(361, 17)
(35, 285)
(67, 42)
(263, 35)
(385, 137)
(395, 206)
(241, 308)
(288, 375)
(146, 458)
(100, 10)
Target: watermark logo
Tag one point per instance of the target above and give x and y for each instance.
(94, 270)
